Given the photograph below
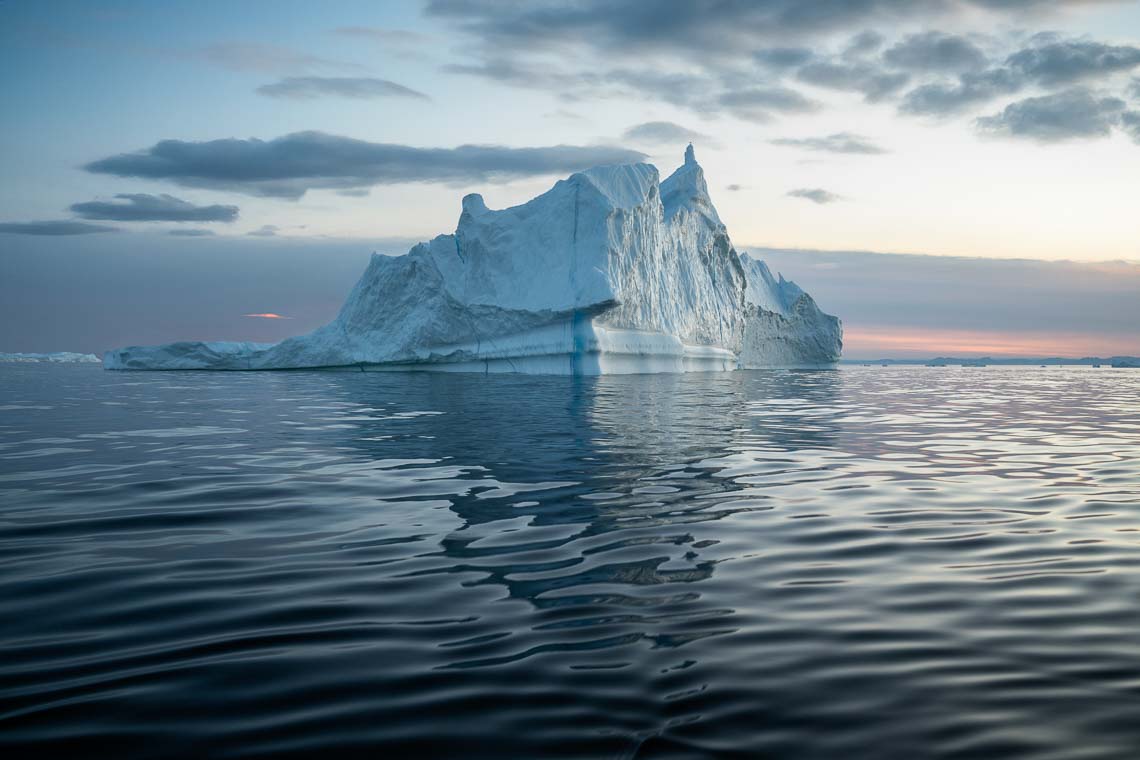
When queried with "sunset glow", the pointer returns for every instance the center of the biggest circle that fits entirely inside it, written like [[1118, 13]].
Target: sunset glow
[[267, 315], [874, 342]]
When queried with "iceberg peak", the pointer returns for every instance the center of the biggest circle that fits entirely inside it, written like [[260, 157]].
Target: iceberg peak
[[474, 205], [686, 189]]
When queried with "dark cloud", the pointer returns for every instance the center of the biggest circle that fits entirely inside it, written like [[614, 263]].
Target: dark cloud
[[702, 28], [782, 57], [288, 166], [664, 132], [1064, 62], [971, 89], [1130, 123], [705, 55], [141, 207], [679, 88], [307, 88], [871, 80], [937, 52], [863, 44], [191, 233], [840, 142], [1047, 62], [1134, 88], [733, 188], [54, 227], [815, 195], [757, 103], [1073, 113]]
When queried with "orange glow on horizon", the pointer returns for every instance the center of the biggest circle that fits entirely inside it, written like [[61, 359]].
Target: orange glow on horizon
[[267, 315], [885, 341]]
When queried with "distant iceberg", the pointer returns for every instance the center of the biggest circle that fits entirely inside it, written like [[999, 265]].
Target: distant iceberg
[[57, 357], [610, 271]]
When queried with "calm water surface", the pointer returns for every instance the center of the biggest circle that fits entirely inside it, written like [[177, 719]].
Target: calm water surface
[[865, 563]]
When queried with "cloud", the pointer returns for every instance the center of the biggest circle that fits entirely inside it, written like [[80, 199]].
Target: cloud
[[265, 230], [1073, 113], [935, 51], [191, 233], [663, 132], [1134, 88], [271, 59], [840, 142], [54, 227], [972, 88], [699, 28], [1047, 62], [266, 315], [757, 103], [782, 57], [734, 188], [289, 166], [1130, 123], [815, 195], [307, 88], [872, 81], [141, 207], [712, 56], [1061, 63], [863, 44]]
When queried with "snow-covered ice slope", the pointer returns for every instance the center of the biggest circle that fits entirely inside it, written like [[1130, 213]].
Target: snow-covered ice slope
[[610, 271], [783, 325]]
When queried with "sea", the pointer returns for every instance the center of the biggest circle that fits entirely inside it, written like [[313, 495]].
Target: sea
[[869, 562]]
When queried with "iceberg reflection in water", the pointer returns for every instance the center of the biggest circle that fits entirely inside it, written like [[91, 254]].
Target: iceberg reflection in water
[[866, 562]]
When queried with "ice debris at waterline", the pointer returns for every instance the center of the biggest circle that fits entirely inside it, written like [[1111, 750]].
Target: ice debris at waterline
[[54, 357], [610, 271]]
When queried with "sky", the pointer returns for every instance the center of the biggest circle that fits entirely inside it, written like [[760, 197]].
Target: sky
[[951, 176]]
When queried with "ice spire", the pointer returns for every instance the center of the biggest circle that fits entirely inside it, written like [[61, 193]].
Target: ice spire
[[686, 189]]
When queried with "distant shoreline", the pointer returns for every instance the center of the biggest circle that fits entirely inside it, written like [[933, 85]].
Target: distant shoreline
[[1088, 361]]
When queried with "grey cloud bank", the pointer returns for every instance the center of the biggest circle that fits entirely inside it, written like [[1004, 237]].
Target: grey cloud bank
[[738, 58], [53, 297], [54, 227], [142, 207], [840, 142], [360, 88], [1075, 113], [289, 166]]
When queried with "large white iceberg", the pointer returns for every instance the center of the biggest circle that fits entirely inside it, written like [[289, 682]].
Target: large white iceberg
[[610, 271]]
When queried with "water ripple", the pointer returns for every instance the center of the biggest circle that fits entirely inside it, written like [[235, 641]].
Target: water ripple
[[872, 562]]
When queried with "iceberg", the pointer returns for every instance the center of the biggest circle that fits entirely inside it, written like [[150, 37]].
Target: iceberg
[[610, 271]]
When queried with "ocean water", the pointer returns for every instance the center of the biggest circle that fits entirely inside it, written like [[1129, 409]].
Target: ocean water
[[900, 562]]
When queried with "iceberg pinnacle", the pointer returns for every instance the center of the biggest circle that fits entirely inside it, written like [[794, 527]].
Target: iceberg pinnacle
[[610, 271]]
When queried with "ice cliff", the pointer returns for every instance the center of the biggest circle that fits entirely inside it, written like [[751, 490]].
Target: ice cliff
[[609, 271]]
